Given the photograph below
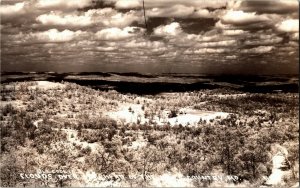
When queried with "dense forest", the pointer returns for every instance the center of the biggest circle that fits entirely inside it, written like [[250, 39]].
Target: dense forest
[[66, 129]]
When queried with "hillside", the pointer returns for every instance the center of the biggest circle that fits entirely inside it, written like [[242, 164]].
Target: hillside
[[77, 135]]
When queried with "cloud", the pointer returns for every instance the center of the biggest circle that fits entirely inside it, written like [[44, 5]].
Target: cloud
[[118, 34], [217, 44], [53, 35], [202, 13], [50, 36], [295, 36], [128, 4], [121, 19], [290, 25], [193, 3], [100, 17], [242, 18], [173, 11], [106, 49], [233, 32], [259, 50], [263, 40], [207, 51], [62, 4], [12, 10], [125, 4], [178, 31], [174, 8], [58, 19], [135, 43], [267, 6], [231, 57], [172, 29], [17, 13]]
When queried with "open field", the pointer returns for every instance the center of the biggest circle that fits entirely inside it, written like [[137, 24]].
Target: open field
[[163, 137]]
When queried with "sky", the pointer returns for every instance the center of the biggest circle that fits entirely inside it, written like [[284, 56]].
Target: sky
[[179, 36]]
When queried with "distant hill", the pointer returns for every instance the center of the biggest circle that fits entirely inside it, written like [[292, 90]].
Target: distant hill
[[152, 84]]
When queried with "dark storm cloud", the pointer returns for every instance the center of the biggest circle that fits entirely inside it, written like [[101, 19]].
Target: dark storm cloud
[[112, 34]]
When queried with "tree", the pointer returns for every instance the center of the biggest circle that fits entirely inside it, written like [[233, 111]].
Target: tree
[[9, 171], [149, 162]]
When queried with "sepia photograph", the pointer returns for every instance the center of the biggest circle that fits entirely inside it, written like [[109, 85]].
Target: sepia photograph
[[149, 93]]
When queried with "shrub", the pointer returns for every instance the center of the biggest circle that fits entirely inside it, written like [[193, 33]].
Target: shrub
[[8, 109], [172, 114]]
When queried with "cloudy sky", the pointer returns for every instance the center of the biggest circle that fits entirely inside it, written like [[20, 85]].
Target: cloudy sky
[[188, 36]]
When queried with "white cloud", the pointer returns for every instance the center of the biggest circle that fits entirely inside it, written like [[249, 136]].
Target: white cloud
[[121, 19], [53, 35], [105, 17], [259, 50], [172, 29], [293, 44], [264, 40], [143, 44], [173, 8], [231, 57], [217, 44], [173, 11], [210, 50], [233, 32], [117, 33], [241, 17], [295, 36], [12, 10], [202, 13], [192, 3], [62, 4], [204, 51], [50, 36], [55, 18], [290, 25], [106, 49], [127, 4], [220, 25]]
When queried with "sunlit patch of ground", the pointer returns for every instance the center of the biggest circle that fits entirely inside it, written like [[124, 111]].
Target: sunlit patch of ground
[[33, 85], [139, 143], [278, 160], [15, 103], [47, 85], [128, 116], [225, 96], [192, 117], [185, 116]]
